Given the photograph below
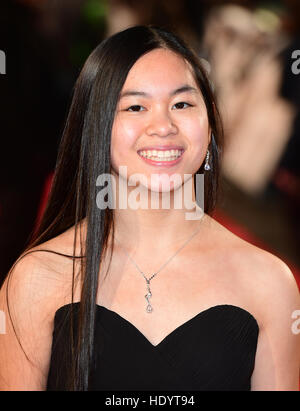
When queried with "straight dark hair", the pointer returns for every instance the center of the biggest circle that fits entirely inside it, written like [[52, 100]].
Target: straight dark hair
[[84, 154]]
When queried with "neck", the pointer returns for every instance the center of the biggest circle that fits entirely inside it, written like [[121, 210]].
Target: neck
[[163, 227]]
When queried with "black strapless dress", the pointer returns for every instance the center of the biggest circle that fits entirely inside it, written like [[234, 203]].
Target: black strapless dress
[[214, 350]]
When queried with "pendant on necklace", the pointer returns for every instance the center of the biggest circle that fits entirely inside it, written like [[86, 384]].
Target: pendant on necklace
[[149, 308]]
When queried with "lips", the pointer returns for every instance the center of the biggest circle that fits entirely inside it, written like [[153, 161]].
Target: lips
[[161, 148], [161, 155]]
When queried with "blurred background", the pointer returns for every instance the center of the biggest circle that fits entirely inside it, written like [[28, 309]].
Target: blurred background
[[248, 50]]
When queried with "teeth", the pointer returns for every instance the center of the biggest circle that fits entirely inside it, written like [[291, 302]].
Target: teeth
[[165, 155]]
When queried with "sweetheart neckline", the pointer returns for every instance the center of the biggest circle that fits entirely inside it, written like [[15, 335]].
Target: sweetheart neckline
[[176, 330]]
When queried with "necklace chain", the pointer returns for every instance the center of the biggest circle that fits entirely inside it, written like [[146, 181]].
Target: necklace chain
[[149, 308]]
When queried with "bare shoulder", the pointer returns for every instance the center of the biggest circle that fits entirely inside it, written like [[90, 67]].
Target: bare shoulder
[[264, 278], [265, 284], [38, 283], [43, 274]]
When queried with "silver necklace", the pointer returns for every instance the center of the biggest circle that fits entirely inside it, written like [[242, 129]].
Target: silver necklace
[[149, 307]]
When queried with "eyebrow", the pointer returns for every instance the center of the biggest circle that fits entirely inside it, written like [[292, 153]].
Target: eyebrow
[[183, 89]]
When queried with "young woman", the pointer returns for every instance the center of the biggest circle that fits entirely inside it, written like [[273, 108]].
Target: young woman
[[137, 298]]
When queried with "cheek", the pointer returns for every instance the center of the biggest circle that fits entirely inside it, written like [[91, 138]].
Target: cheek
[[126, 129], [124, 135], [197, 133]]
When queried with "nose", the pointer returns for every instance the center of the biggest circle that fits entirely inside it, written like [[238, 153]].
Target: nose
[[161, 124]]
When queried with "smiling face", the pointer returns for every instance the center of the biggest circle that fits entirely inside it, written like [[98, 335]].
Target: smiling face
[[161, 124]]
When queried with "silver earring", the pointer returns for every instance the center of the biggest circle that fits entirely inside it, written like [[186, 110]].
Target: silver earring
[[206, 165]]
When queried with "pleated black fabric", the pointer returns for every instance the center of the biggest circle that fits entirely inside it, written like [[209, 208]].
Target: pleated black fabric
[[215, 350]]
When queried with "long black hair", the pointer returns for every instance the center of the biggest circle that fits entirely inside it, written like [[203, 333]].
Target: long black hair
[[84, 154]]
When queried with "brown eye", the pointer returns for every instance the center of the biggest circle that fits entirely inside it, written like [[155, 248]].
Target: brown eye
[[181, 103], [135, 108]]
